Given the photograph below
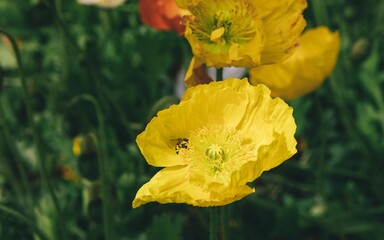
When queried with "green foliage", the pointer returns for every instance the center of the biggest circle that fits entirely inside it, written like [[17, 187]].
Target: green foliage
[[332, 189]]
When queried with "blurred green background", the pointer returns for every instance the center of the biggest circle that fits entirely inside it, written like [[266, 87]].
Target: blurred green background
[[98, 76]]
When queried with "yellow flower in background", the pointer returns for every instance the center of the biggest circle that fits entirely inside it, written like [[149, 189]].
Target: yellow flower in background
[[243, 33], [312, 62], [102, 3], [76, 145], [220, 137]]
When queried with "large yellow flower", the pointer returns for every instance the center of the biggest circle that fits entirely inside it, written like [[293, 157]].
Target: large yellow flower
[[305, 70], [243, 33], [220, 137]]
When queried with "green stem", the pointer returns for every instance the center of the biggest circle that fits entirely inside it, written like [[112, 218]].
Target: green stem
[[129, 127], [23, 219], [320, 170], [219, 74], [337, 91], [36, 135], [320, 12], [213, 231], [224, 222], [17, 160], [102, 162], [64, 45]]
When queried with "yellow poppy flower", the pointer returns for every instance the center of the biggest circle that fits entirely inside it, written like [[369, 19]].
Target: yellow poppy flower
[[220, 137], [306, 70], [243, 33], [102, 3]]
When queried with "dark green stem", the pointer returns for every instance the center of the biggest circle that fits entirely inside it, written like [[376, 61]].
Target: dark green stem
[[320, 12], [36, 136], [17, 160], [214, 215], [64, 45], [23, 219], [102, 162], [320, 170], [224, 216], [219, 74]]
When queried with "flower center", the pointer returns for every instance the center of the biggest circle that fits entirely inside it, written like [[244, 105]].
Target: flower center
[[214, 153], [216, 156], [224, 22]]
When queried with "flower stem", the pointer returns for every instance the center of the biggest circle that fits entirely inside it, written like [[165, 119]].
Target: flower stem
[[36, 136], [20, 170], [224, 215], [320, 12], [102, 162], [214, 215], [219, 74], [64, 45]]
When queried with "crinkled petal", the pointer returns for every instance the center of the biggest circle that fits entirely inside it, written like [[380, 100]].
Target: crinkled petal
[[270, 124], [233, 83], [170, 185], [283, 26], [211, 108]]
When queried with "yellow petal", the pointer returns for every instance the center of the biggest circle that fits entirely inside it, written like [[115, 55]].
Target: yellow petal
[[170, 185], [216, 34], [157, 143], [234, 52], [283, 25], [185, 3], [270, 124], [306, 69]]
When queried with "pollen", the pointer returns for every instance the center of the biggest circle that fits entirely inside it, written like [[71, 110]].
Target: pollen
[[217, 34], [217, 152], [231, 22]]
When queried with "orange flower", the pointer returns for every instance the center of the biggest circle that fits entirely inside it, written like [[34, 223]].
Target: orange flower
[[162, 15]]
